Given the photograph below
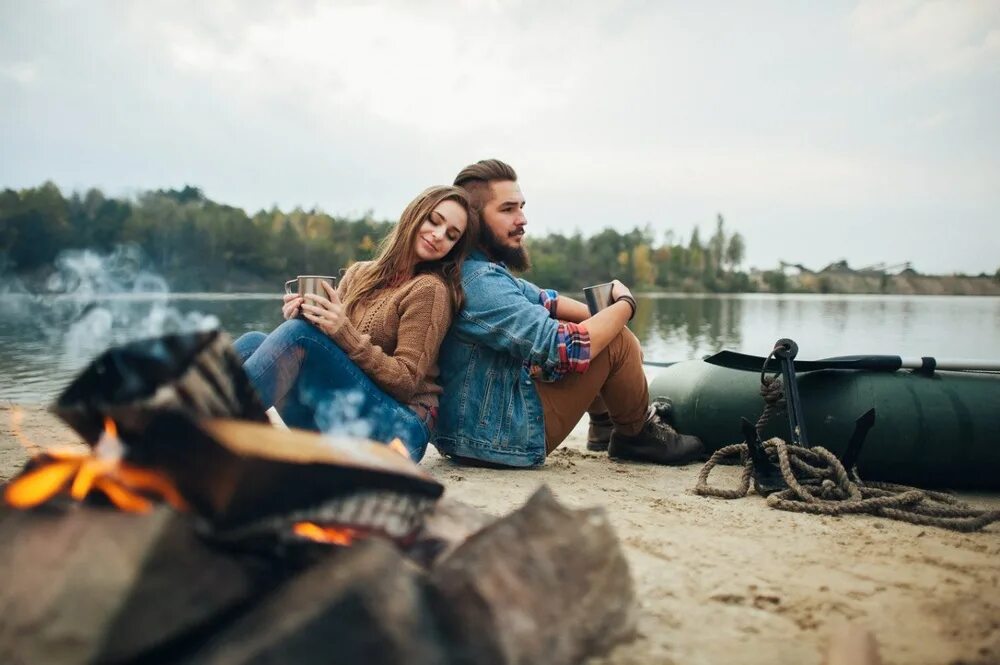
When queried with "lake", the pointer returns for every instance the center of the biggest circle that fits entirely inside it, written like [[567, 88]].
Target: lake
[[44, 342]]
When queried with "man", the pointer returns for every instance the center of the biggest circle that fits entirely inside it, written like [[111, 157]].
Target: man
[[521, 365]]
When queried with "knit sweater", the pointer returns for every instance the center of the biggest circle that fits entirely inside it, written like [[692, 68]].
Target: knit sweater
[[394, 337]]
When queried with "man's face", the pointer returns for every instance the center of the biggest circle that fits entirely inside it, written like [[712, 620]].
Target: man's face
[[503, 224]]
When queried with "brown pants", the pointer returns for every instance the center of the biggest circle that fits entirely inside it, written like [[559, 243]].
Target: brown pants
[[615, 375]]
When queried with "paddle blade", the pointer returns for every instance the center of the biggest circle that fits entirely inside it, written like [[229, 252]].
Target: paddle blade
[[748, 363]]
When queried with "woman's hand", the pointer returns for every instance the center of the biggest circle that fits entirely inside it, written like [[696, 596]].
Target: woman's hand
[[327, 314], [290, 307]]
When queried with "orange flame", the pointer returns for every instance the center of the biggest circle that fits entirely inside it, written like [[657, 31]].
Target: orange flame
[[397, 445], [326, 534], [77, 473], [110, 427]]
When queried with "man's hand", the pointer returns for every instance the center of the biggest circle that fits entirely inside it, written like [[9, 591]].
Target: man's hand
[[327, 314], [618, 290]]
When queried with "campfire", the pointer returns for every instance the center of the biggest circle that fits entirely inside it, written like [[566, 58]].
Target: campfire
[[71, 472], [190, 530]]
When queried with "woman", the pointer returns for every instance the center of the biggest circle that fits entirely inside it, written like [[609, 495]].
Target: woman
[[363, 360]]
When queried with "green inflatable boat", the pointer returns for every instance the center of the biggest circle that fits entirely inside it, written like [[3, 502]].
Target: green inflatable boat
[[932, 428]]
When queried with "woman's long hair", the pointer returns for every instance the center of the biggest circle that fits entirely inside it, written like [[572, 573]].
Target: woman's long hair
[[397, 259]]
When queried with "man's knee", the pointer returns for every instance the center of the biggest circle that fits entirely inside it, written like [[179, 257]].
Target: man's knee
[[625, 342]]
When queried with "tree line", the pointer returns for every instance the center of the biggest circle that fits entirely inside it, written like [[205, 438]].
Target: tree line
[[198, 244]]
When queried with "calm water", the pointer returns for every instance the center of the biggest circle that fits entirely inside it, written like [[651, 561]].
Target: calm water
[[44, 343]]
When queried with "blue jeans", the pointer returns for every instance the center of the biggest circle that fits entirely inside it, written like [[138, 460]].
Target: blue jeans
[[314, 385]]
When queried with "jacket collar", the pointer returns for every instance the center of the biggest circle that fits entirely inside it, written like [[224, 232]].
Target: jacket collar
[[478, 254]]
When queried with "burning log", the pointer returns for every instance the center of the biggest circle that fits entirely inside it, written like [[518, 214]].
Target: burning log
[[250, 479], [544, 584], [97, 585], [198, 374]]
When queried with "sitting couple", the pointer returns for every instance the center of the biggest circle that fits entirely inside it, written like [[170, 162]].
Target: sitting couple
[[437, 339]]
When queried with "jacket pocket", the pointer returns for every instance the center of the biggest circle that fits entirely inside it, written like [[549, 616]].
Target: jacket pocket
[[485, 403]]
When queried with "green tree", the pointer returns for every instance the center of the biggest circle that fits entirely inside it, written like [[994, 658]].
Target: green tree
[[776, 280], [735, 251], [34, 225], [716, 247]]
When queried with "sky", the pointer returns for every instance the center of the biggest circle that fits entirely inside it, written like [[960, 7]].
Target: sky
[[867, 131]]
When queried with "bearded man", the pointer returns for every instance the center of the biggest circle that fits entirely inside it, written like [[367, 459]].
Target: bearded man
[[521, 365]]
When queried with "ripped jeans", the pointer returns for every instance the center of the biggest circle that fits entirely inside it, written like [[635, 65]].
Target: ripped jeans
[[314, 385]]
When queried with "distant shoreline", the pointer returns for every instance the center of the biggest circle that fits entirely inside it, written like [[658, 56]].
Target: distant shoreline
[[804, 284], [883, 284]]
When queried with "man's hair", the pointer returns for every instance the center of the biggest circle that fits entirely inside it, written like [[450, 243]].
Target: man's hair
[[476, 179]]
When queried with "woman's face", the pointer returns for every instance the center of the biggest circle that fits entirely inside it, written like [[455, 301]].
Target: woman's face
[[440, 230]]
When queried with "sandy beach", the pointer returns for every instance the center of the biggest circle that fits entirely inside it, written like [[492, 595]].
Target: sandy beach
[[734, 581]]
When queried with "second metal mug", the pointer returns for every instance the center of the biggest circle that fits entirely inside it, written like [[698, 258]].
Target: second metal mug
[[598, 296]]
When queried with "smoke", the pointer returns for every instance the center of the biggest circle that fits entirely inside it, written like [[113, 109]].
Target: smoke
[[14, 297], [92, 301], [342, 415]]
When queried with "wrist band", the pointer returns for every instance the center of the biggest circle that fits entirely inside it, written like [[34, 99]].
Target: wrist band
[[631, 303]]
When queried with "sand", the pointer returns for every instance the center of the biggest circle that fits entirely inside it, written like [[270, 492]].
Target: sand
[[736, 581]]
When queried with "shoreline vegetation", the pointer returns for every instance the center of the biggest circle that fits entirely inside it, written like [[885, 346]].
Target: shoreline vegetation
[[202, 245]]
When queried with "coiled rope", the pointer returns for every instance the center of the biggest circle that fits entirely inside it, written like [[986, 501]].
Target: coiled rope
[[819, 484]]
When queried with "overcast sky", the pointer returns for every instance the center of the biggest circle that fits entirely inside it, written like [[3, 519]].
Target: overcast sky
[[821, 130]]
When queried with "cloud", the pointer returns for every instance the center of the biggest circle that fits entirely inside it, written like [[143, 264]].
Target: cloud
[[24, 73], [932, 38], [396, 63]]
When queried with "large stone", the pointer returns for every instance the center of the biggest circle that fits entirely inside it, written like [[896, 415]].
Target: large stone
[[366, 604], [545, 584], [91, 584]]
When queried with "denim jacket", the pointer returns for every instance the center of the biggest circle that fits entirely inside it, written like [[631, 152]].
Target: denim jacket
[[490, 409]]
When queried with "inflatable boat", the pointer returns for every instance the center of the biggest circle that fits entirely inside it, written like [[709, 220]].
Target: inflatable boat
[[932, 427]]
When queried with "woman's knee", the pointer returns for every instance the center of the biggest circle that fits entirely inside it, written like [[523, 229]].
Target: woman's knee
[[295, 327], [247, 343]]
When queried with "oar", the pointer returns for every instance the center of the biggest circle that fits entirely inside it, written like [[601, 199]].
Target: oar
[[743, 361]]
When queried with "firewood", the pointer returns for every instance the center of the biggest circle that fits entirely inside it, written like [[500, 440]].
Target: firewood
[[198, 374], [364, 605], [243, 475], [92, 584], [544, 584]]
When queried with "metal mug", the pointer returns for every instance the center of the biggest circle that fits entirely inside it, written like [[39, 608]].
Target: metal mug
[[598, 296], [311, 284]]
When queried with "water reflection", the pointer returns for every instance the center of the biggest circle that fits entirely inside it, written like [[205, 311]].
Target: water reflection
[[45, 341], [675, 327], [34, 365], [698, 325]]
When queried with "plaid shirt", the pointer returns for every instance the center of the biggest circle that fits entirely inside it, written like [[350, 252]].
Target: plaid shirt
[[572, 340]]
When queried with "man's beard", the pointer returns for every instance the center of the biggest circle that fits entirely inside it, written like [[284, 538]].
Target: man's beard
[[515, 257]]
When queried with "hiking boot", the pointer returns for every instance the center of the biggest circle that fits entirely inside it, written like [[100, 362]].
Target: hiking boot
[[657, 441], [599, 432]]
